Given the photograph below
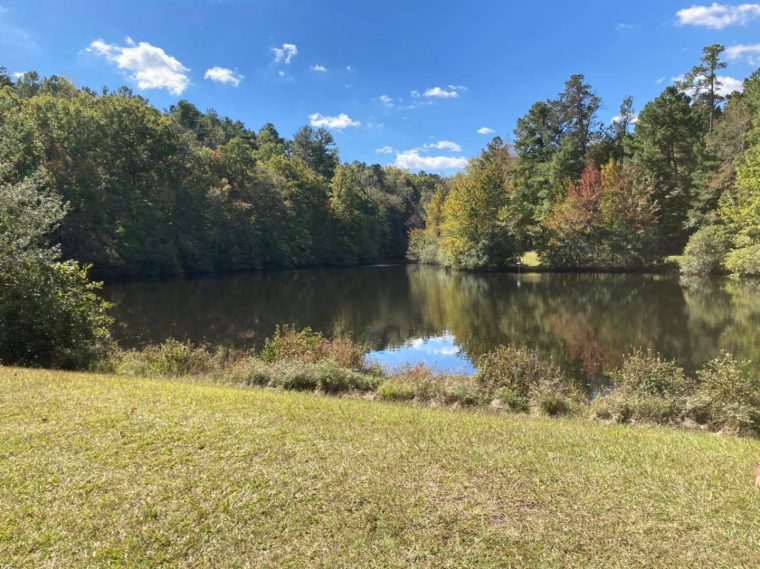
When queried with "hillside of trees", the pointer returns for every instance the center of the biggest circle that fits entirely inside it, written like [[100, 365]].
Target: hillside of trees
[[682, 173], [151, 193]]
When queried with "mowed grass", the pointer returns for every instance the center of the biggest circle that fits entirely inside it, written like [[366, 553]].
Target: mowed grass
[[100, 470]]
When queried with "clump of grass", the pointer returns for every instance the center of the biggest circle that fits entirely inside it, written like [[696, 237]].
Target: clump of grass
[[647, 388], [171, 358], [309, 346], [422, 385], [517, 377], [324, 377], [727, 397]]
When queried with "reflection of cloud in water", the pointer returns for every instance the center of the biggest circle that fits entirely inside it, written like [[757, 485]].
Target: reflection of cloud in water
[[439, 353]]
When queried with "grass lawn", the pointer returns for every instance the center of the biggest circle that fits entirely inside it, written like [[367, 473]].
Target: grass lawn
[[100, 470]]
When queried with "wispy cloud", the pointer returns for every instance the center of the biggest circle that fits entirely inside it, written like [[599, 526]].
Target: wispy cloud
[[450, 92], [750, 52], [413, 160], [224, 76], [285, 54], [622, 27], [443, 145], [319, 68], [337, 122], [718, 16], [384, 150], [148, 65], [485, 130]]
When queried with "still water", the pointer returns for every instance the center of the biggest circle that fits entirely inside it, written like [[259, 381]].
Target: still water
[[417, 314]]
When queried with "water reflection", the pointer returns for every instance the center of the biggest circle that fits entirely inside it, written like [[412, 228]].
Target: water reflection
[[439, 353], [584, 322]]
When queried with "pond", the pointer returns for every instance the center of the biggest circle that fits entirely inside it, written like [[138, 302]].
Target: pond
[[409, 314]]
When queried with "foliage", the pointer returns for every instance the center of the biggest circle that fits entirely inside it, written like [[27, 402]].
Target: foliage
[[519, 378], [607, 220], [706, 251], [163, 193], [312, 347], [476, 229], [727, 397], [50, 313], [646, 388], [171, 358]]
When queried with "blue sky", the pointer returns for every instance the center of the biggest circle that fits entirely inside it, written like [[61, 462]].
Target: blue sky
[[415, 79]]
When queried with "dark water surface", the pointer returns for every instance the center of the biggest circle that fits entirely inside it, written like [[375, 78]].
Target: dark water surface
[[411, 314]]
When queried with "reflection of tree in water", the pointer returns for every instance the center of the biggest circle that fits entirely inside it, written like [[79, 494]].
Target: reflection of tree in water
[[374, 305], [584, 322], [724, 314]]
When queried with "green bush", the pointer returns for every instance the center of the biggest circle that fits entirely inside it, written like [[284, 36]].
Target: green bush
[[744, 260], [524, 379], [727, 397], [706, 251], [50, 312], [647, 374], [646, 388]]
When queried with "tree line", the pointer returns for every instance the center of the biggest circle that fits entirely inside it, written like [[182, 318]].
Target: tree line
[[682, 173], [153, 193]]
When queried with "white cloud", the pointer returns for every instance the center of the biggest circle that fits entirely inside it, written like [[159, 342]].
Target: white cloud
[[729, 84], [386, 100], [224, 76], [621, 27], [660, 80], [18, 74], [148, 65], [439, 93], [340, 122], [444, 145], [485, 130], [384, 150], [411, 160], [285, 53], [319, 68], [718, 16], [281, 73], [633, 119], [750, 52]]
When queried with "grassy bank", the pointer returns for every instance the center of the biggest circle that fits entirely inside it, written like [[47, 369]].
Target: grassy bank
[[103, 470]]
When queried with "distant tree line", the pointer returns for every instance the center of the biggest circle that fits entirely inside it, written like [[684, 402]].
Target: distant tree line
[[685, 171], [153, 193]]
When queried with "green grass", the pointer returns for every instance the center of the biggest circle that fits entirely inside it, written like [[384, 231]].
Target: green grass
[[99, 470]]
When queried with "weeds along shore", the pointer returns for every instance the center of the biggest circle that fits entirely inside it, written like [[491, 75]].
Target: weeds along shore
[[723, 396]]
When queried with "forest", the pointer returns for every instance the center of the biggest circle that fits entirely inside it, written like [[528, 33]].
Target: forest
[[106, 185], [680, 176]]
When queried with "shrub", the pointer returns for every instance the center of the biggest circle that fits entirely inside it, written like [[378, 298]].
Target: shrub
[[326, 377], [706, 251], [311, 347], [50, 312], [646, 388], [728, 397], [648, 374], [171, 358], [744, 260], [520, 379], [422, 385]]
